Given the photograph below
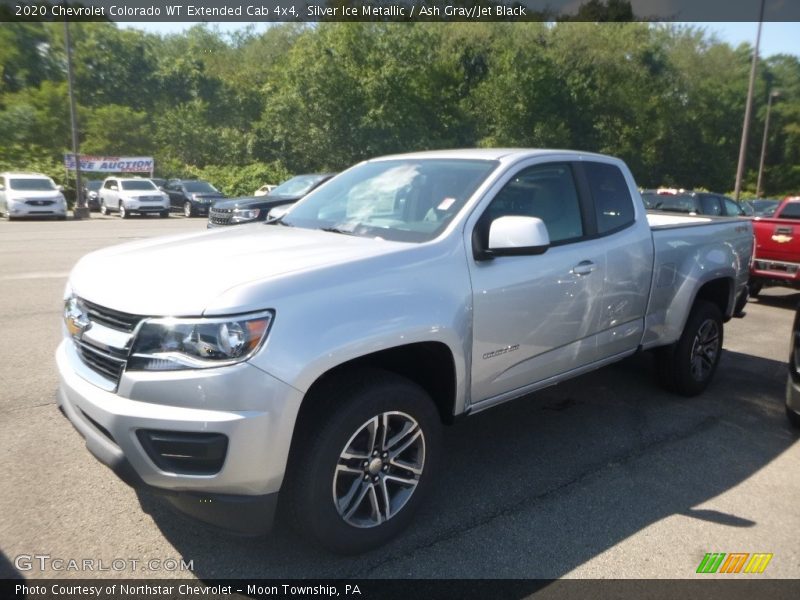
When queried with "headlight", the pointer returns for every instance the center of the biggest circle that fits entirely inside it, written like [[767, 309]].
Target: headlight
[[170, 343], [245, 214]]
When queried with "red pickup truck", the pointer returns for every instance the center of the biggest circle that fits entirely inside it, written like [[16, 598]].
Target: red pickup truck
[[776, 257]]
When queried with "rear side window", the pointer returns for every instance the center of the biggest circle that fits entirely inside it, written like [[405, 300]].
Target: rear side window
[[790, 211], [732, 208], [710, 205], [612, 198]]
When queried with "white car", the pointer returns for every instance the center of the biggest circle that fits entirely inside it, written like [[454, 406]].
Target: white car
[[129, 195], [30, 195], [264, 190]]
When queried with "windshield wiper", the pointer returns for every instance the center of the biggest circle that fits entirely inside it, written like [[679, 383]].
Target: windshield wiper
[[336, 230]]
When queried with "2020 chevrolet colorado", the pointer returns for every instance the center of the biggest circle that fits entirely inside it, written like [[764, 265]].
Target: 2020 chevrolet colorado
[[319, 356]]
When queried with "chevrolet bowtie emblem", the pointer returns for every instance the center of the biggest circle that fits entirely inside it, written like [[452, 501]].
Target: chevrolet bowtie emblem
[[781, 238]]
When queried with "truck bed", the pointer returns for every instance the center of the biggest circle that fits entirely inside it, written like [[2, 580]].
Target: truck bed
[[691, 249]]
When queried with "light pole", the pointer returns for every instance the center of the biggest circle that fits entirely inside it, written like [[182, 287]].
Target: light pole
[[772, 96], [748, 107], [81, 211]]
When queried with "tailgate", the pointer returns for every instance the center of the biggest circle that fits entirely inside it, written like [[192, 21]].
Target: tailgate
[[777, 239]]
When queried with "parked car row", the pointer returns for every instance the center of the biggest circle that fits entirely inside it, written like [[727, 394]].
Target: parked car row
[[194, 197], [692, 203]]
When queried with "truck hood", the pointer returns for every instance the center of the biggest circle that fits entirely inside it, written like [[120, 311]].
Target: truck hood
[[182, 275], [255, 202]]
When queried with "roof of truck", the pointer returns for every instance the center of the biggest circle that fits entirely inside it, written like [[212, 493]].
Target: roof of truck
[[490, 153]]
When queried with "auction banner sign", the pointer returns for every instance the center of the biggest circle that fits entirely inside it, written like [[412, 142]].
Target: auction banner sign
[[111, 164]]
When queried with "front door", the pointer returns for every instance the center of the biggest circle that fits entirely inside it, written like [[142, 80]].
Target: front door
[[536, 317]]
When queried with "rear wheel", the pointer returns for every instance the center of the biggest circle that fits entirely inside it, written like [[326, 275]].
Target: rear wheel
[[755, 287], [122, 212], [688, 366], [363, 461], [188, 210], [164, 214]]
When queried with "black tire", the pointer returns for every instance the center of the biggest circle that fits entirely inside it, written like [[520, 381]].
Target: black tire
[[123, 214], [688, 366], [188, 209], [794, 418], [755, 286], [332, 495], [164, 214]]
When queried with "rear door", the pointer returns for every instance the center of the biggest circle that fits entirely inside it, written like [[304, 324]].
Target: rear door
[[627, 242]]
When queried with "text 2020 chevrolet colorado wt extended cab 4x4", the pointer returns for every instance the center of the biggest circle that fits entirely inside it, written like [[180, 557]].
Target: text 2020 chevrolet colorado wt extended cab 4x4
[[318, 356]]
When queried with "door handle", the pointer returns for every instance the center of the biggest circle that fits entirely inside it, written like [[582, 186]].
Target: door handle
[[585, 267]]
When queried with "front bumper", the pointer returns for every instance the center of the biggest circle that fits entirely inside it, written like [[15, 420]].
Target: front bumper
[[786, 272], [24, 210], [146, 207], [255, 411]]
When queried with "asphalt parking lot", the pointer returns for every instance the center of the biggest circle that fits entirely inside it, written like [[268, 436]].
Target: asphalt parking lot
[[606, 476]]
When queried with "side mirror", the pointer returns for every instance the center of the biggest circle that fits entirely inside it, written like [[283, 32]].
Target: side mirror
[[113, 187], [517, 236], [2, 187]]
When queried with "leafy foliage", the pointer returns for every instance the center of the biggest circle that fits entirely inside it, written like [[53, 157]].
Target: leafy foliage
[[246, 109]]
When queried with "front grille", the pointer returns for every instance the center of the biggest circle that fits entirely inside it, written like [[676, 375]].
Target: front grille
[[39, 202], [101, 362], [112, 318], [150, 199], [109, 362], [220, 216]]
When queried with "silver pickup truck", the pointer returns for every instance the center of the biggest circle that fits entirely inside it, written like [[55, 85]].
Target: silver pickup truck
[[319, 355]]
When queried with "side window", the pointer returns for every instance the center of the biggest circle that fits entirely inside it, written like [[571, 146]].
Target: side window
[[107, 185], [732, 208], [710, 205], [546, 191], [612, 198], [790, 211]]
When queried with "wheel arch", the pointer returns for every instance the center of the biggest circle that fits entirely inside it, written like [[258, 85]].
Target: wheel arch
[[431, 365], [719, 292]]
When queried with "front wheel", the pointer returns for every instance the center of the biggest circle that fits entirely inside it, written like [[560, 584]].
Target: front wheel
[[188, 211], [164, 214], [124, 214], [103, 208], [363, 462], [688, 366]]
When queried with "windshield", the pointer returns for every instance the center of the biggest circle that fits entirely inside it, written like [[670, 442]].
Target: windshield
[[765, 208], [32, 184], [93, 185], [297, 186], [410, 200], [200, 187], [142, 184], [682, 203]]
